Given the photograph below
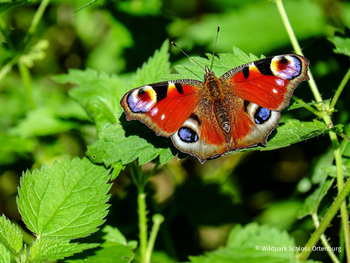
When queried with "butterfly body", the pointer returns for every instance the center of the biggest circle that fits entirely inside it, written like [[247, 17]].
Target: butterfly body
[[207, 119]]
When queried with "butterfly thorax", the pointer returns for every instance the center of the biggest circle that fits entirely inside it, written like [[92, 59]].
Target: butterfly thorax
[[214, 87]]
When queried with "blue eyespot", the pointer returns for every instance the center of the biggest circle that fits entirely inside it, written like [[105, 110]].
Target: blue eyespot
[[262, 115], [186, 134]]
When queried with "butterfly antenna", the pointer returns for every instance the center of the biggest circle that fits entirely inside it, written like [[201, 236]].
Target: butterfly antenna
[[216, 41], [183, 52]]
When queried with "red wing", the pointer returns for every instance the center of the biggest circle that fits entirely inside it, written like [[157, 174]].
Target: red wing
[[163, 106], [268, 82]]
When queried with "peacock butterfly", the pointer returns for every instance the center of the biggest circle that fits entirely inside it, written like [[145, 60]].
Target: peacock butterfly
[[208, 119]]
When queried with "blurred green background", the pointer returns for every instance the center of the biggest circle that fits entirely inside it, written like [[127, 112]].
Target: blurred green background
[[200, 202]]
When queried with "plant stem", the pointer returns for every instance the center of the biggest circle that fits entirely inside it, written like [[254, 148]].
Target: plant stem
[[157, 221], [340, 89], [137, 178], [141, 200], [324, 240], [327, 119], [25, 74], [340, 185], [332, 211], [36, 19], [140, 180]]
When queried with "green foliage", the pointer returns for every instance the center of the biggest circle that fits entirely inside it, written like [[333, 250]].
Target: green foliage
[[253, 243], [58, 204], [342, 45]]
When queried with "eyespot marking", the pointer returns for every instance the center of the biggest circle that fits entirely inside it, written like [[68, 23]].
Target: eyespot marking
[[188, 135], [142, 99], [262, 115], [286, 67]]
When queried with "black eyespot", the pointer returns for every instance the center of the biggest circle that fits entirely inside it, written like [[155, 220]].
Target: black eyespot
[[262, 115], [186, 134]]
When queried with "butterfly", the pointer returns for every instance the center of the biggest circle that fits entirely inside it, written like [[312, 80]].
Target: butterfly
[[208, 119]]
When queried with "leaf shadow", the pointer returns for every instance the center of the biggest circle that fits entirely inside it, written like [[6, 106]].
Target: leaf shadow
[[137, 128]]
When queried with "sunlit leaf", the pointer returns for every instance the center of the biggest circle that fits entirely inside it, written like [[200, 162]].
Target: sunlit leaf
[[67, 200]]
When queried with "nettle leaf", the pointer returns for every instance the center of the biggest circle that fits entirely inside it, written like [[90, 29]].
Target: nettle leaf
[[109, 252], [297, 105], [221, 64], [253, 243], [114, 249], [48, 248], [11, 147], [114, 235], [42, 122], [293, 131], [10, 235], [5, 255], [313, 201], [67, 200], [342, 45], [154, 69], [332, 171], [125, 143], [98, 94]]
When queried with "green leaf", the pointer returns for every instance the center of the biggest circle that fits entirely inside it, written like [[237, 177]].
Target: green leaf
[[41, 122], [143, 8], [110, 252], [6, 4], [342, 45], [105, 54], [133, 140], [325, 160], [12, 147], [114, 235], [154, 69], [67, 200], [253, 243], [281, 214], [332, 171], [125, 143], [5, 256], [117, 168], [293, 131], [162, 257], [221, 64], [297, 105], [10, 235], [313, 201], [49, 248], [98, 94]]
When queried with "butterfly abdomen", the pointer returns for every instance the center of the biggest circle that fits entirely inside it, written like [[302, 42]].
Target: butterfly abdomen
[[222, 115]]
